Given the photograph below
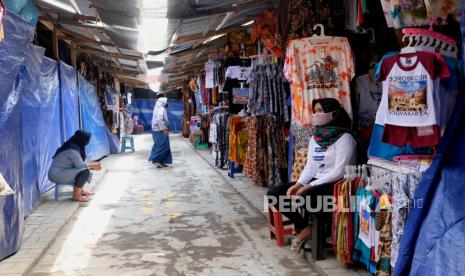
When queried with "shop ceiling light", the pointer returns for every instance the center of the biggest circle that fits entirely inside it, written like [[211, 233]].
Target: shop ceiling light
[[247, 23], [60, 5]]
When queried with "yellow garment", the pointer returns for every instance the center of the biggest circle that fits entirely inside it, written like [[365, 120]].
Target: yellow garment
[[235, 125], [242, 141], [299, 164]]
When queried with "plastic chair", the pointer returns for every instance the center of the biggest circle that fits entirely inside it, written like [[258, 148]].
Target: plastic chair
[[125, 139], [277, 226], [59, 193]]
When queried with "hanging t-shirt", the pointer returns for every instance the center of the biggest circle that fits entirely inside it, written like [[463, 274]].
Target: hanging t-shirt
[[238, 72], [409, 84], [369, 93], [209, 74], [404, 13], [440, 9], [320, 67], [365, 221]]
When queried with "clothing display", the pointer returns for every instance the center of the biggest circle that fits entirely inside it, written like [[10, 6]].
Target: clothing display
[[409, 84], [369, 93], [266, 155], [381, 203], [320, 67], [267, 94], [303, 15], [300, 160], [212, 73], [404, 13], [238, 72], [220, 146], [439, 10], [238, 137]]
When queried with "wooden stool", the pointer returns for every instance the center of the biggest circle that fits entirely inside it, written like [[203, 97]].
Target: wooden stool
[[319, 221], [277, 226]]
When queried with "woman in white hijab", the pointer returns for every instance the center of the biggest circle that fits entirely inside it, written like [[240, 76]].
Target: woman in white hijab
[[161, 151]]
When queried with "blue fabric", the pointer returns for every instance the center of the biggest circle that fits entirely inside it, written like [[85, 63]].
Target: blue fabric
[[143, 108], [434, 234], [49, 93], [13, 51], [93, 121], [30, 110], [386, 151], [161, 151], [113, 142], [69, 100], [24, 8]]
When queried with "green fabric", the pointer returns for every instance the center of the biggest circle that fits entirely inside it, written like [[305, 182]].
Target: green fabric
[[325, 136]]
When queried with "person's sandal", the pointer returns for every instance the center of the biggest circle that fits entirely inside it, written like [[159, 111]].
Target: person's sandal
[[81, 199], [297, 244]]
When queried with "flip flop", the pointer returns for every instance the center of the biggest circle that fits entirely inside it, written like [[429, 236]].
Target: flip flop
[[297, 244], [81, 199]]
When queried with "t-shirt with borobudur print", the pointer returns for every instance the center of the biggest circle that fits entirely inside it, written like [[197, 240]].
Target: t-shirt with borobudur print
[[318, 68], [409, 83]]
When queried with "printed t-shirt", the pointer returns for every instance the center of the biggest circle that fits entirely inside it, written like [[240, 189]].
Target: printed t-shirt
[[238, 72], [445, 99], [409, 84], [318, 68]]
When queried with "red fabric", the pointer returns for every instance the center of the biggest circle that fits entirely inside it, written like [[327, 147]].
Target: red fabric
[[418, 137], [336, 189], [360, 13], [434, 64]]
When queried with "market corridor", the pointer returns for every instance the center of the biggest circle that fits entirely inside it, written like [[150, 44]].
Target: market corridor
[[183, 220]]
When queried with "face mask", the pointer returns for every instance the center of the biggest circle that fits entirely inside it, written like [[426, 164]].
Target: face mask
[[321, 119]]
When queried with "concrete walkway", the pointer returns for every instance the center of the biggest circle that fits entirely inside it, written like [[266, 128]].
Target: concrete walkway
[[184, 220]]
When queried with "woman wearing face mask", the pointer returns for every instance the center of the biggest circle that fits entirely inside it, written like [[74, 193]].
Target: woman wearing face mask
[[330, 150]]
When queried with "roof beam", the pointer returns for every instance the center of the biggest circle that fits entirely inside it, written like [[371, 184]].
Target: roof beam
[[216, 42], [101, 53], [70, 22], [237, 8], [116, 71], [199, 36]]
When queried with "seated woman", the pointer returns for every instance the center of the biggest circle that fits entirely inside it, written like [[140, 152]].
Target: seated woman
[[68, 167], [330, 150]]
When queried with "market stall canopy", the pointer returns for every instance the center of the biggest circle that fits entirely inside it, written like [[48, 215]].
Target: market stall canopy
[[140, 35], [198, 28]]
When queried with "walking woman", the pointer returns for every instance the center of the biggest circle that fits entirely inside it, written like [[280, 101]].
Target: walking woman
[[69, 167], [330, 150], [161, 151]]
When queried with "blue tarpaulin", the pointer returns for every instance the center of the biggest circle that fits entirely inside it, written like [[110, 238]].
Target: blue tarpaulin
[[93, 121], [69, 100], [13, 51], [49, 95], [24, 8], [143, 108], [30, 110]]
